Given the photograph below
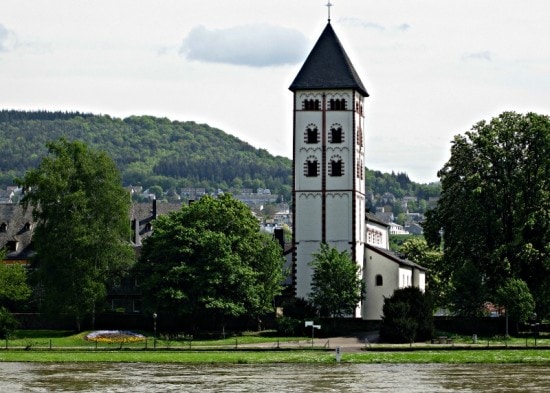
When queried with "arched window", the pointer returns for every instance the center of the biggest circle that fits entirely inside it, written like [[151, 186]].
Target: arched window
[[311, 167], [312, 134], [336, 135], [311, 105], [336, 167], [379, 281], [337, 104], [3, 227]]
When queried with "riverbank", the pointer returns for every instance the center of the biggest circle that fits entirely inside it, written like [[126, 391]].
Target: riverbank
[[265, 356], [64, 347]]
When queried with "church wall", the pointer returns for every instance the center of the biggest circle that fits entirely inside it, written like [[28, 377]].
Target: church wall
[[304, 272], [377, 235], [360, 227], [376, 264], [307, 236], [420, 279], [339, 216], [308, 220], [305, 151], [405, 277]]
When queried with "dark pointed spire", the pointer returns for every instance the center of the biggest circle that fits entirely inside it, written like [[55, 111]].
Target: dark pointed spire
[[328, 67]]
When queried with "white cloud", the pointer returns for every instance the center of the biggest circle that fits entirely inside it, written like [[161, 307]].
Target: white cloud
[[8, 39], [258, 45], [483, 55]]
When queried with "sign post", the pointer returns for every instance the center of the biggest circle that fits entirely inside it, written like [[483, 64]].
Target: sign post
[[313, 327]]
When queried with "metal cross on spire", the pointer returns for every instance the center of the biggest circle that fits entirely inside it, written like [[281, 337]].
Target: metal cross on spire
[[328, 5]]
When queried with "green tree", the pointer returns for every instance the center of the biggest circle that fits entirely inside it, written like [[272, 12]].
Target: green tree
[[82, 231], [13, 289], [515, 296], [13, 284], [156, 191], [495, 204], [417, 250], [407, 316], [210, 259], [337, 287]]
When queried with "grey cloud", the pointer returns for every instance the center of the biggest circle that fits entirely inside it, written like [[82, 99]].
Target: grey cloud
[[404, 27], [365, 24], [484, 55], [7, 39], [257, 45], [356, 22]]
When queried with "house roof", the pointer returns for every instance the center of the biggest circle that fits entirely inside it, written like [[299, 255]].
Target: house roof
[[374, 219], [328, 67], [395, 257], [16, 225]]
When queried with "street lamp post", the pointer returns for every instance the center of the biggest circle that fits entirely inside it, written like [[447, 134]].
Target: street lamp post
[[534, 327], [155, 330]]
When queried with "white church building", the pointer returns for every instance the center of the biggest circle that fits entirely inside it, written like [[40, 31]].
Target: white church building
[[329, 179]]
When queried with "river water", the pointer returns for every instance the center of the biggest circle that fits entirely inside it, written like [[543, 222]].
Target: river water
[[151, 378]]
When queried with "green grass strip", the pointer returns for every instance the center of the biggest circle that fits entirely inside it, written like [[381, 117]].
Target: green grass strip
[[531, 356]]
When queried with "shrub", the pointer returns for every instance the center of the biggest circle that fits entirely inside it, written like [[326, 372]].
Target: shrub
[[407, 317], [7, 323]]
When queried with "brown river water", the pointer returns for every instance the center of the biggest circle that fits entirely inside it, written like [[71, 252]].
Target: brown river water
[[151, 378]]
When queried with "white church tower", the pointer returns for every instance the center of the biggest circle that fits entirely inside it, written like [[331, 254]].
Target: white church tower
[[328, 158]]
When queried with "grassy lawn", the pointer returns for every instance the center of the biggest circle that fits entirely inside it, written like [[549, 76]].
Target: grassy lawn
[[58, 339], [65, 346]]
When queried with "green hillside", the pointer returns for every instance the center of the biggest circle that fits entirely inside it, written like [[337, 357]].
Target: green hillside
[[148, 151], [151, 151]]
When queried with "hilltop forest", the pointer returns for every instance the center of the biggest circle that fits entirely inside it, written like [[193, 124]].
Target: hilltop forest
[[151, 151]]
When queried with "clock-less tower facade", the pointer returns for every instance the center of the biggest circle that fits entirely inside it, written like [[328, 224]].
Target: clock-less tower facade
[[328, 158]]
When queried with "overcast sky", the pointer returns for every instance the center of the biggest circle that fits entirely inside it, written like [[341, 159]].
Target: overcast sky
[[433, 68]]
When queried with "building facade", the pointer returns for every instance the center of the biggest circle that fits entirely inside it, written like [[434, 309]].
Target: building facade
[[329, 184], [329, 181]]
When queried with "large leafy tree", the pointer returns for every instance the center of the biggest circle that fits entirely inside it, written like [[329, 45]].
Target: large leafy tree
[[417, 250], [210, 259], [82, 227], [494, 209], [336, 287]]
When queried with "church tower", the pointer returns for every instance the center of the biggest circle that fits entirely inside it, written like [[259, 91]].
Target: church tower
[[328, 158]]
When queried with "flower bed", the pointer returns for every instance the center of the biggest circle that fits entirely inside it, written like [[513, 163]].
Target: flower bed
[[114, 336]]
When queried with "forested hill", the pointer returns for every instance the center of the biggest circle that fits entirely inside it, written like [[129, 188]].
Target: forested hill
[[148, 150], [152, 151]]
